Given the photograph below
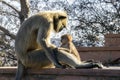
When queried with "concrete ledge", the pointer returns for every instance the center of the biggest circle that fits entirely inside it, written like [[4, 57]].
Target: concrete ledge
[[103, 54], [8, 73]]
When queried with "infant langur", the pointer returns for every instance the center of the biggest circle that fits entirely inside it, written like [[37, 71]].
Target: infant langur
[[66, 42]]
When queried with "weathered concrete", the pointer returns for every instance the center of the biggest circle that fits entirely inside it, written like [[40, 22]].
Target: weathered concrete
[[112, 40], [63, 74]]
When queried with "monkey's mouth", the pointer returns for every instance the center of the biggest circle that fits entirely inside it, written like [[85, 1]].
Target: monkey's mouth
[[61, 28]]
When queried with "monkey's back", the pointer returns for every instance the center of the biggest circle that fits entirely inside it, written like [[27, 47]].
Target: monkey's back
[[26, 36]]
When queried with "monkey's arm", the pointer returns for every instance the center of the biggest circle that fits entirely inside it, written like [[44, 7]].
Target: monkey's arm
[[43, 41], [65, 49]]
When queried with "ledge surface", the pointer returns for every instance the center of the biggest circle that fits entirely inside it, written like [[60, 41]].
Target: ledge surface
[[8, 73]]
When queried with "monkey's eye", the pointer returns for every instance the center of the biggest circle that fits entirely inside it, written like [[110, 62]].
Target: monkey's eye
[[62, 17]]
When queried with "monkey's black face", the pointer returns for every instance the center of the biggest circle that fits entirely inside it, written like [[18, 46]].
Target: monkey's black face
[[59, 23], [59, 26]]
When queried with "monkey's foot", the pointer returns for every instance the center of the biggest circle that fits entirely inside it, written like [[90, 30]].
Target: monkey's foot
[[99, 65]]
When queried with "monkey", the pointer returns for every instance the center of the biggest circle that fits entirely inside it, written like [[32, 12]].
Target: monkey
[[66, 41], [33, 47]]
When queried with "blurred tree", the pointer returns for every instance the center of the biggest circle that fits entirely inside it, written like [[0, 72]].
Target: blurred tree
[[7, 52], [95, 18]]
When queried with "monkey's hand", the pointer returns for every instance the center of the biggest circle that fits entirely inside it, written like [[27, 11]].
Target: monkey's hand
[[59, 65]]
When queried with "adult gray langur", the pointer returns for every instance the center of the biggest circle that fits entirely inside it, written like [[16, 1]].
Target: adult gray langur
[[33, 47]]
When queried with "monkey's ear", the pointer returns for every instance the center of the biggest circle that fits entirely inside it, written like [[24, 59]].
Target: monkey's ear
[[62, 17]]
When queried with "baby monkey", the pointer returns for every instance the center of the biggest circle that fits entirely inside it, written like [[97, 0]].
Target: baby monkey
[[66, 42]]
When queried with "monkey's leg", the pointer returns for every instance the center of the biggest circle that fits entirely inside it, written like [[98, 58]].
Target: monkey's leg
[[71, 60], [20, 71], [37, 59]]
